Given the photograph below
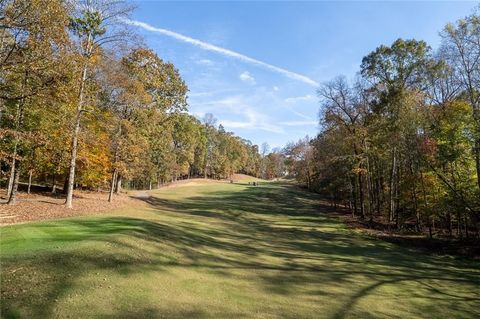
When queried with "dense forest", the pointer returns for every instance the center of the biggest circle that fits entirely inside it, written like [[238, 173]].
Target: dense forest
[[401, 142], [83, 105]]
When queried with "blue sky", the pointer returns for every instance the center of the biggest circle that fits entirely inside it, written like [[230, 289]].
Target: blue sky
[[254, 65]]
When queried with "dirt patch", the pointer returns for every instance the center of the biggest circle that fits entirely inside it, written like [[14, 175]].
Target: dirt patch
[[42, 206]]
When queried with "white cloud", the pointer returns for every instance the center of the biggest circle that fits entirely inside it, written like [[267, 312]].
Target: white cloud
[[223, 51], [240, 109], [304, 98], [276, 89], [247, 78]]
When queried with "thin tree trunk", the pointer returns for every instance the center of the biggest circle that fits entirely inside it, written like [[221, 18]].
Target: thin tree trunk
[[16, 164], [362, 200], [54, 186], [65, 185], [112, 185], [369, 186], [118, 189], [391, 207], [29, 181], [477, 159], [415, 199], [76, 130], [13, 194], [378, 186], [422, 182], [12, 172], [397, 197]]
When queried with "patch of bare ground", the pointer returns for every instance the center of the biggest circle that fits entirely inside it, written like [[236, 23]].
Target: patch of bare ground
[[44, 205], [440, 244]]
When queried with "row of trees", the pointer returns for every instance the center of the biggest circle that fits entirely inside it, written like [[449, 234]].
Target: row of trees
[[83, 107], [401, 143]]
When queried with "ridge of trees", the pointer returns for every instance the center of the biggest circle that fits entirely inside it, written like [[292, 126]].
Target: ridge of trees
[[401, 143]]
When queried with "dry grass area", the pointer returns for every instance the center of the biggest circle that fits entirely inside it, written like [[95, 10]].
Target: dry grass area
[[41, 206]]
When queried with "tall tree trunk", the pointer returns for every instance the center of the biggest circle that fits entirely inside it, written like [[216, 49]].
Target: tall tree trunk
[[16, 163], [369, 185], [118, 189], [477, 158], [54, 186], [397, 197], [425, 200], [112, 185], [29, 181], [378, 187], [414, 195], [65, 185], [76, 130], [13, 194], [362, 199], [391, 207], [12, 171]]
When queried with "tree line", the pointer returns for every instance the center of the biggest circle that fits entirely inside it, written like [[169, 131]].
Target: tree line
[[401, 142], [84, 105]]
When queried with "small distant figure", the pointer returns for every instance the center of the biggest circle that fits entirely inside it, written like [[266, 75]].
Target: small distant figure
[[231, 181], [248, 183], [254, 183]]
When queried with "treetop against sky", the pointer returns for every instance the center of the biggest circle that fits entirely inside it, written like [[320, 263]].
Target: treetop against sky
[[256, 65]]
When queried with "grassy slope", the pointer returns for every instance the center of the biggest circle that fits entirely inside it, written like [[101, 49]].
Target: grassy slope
[[224, 251]]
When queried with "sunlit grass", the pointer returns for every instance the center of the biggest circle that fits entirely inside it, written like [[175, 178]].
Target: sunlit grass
[[223, 250]]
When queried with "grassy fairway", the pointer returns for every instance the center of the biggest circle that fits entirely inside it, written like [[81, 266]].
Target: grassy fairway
[[224, 251]]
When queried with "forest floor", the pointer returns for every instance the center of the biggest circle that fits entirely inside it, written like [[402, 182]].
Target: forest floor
[[44, 205], [441, 243], [221, 250]]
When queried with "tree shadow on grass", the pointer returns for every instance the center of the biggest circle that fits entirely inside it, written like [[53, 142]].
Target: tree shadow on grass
[[277, 233]]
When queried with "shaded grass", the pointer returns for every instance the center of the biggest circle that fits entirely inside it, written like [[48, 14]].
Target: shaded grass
[[225, 250]]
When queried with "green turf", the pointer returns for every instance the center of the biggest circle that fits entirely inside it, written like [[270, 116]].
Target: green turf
[[225, 251]]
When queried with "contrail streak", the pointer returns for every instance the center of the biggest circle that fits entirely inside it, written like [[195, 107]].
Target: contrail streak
[[223, 51]]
